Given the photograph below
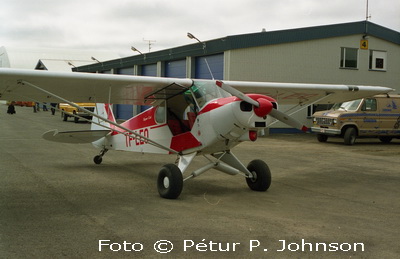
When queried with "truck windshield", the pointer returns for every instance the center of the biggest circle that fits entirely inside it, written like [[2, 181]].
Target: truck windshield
[[347, 106]]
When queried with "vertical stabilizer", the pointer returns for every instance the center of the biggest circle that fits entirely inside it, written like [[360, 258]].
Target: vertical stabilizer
[[103, 110]]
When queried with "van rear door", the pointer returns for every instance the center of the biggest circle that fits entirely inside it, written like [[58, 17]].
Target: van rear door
[[390, 116]]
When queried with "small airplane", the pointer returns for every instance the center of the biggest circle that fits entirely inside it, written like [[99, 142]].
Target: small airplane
[[187, 118]]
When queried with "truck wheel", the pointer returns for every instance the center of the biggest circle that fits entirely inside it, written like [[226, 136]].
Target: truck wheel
[[350, 136], [322, 138], [385, 139]]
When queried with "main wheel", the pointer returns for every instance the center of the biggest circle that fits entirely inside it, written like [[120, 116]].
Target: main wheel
[[261, 180], [350, 136], [170, 181]]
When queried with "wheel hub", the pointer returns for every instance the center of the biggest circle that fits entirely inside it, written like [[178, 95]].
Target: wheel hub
[[253, 176], [166, 182]]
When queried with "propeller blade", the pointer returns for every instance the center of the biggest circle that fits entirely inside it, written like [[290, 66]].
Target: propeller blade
[[288, 120], [265, 108], [237, 93]]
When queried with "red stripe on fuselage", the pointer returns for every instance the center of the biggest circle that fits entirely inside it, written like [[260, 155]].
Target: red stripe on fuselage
[[142, 120], [184, 141], [218, 103]]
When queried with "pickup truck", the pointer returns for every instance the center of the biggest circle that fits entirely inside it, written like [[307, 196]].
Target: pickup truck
[[68, 111]]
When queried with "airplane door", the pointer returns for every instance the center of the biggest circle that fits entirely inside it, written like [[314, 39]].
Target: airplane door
[[369, 117]]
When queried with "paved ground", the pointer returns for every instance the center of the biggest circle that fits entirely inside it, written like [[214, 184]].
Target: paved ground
[[54, 202]]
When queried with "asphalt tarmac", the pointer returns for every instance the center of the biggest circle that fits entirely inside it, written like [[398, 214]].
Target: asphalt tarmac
[[326, 200]]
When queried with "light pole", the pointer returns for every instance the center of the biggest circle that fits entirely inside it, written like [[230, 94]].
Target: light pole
[[135, 49], [191, 36]]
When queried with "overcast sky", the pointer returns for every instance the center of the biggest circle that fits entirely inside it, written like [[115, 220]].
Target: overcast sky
[[116, 25]]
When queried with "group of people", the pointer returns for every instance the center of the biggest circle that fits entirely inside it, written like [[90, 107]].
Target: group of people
[[36, 107]]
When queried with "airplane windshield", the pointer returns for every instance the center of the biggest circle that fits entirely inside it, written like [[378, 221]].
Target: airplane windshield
[[182, 109], [347, 106], [206, 91]]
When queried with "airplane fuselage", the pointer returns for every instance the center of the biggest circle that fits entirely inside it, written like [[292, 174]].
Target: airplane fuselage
[[220, 124]]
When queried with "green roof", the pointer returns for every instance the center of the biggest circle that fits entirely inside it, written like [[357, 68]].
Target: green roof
[[248, 40]]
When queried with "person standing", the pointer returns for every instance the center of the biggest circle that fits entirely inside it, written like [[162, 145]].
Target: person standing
[[11, 108], [53, 108]]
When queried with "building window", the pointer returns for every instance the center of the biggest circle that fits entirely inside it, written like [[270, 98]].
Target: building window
[[377, 60], [348, 57]]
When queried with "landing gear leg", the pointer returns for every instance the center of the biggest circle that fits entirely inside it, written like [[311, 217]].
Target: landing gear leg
[[99, 158]]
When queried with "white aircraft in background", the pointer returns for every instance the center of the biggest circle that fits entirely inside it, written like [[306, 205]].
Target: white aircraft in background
[[189, 117]]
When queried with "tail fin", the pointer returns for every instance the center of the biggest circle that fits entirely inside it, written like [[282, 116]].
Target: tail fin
[[103, 110]]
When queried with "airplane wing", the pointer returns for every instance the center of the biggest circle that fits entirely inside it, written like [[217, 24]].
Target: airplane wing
[[16, 84], [304, 94]]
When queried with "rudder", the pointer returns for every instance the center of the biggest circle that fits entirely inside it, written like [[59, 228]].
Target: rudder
[[103, 110]]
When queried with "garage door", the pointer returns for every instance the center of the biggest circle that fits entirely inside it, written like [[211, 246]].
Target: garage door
[[214, 69], [175, 68], [149, 70]]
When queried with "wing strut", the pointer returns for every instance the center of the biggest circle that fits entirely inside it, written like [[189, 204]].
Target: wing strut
[[302, 107], [149, 141]]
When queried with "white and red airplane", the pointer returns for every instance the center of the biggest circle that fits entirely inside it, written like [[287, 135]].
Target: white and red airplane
[[189, 117]]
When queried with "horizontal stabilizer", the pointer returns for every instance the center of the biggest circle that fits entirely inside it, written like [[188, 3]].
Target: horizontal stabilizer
[[75, 137]]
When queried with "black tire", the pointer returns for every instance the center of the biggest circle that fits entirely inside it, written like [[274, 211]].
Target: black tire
[[322, 138], [170, 181], [97, 160], [350, 136], [262, 176], [385, 139], [76, 119]]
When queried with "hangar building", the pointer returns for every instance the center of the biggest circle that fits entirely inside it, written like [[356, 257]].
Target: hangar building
[[359, 53], [50, 59]]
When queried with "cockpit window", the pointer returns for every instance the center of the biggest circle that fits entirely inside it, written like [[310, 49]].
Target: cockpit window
[[161, 113], [203, 92]]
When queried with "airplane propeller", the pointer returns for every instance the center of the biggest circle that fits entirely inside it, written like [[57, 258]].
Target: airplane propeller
[[263, 107], [283, 117]]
